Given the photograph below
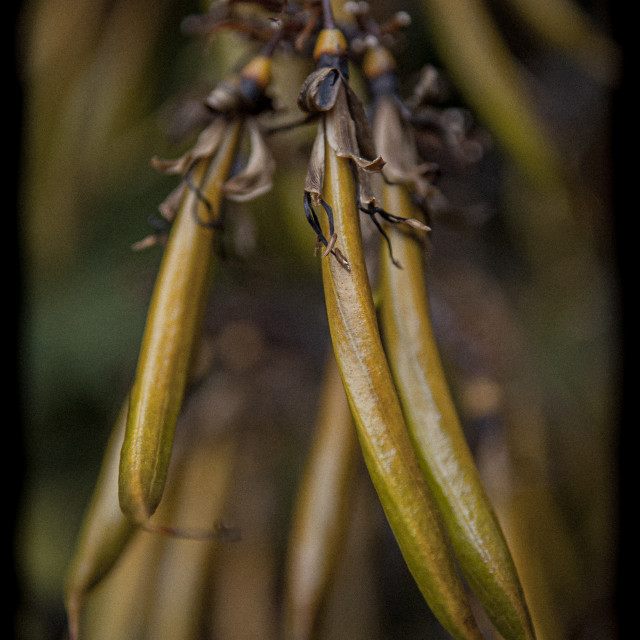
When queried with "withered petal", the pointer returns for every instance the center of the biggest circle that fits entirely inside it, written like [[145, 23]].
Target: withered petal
[[342, 135], [365, 188], [225, 96], [364, 132], [205, 146], [395, 141], [320, 90], [169, 207], [146, 242], [257, 177]]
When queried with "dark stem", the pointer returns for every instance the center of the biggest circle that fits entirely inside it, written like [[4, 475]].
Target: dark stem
[[271, 45], [327, 12]]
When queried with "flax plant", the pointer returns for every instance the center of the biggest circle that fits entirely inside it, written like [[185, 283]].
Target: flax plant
[[405, 497], [385, 398]]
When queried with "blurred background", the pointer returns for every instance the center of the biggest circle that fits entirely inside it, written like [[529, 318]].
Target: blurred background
[[522, 272]]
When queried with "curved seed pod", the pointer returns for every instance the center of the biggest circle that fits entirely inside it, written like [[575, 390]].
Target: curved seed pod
[[387, 449], [202, 487], [105, 531], [484, 70], [443, 453], [319, 525], [172, 327]]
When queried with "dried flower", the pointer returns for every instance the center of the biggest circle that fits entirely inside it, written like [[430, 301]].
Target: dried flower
[[392, 129], [241, 96], [343, 124]]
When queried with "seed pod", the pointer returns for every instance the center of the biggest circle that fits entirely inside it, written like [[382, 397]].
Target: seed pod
[[105, 531], [443, 453], [320, 520], [388, 452], [172, 327]]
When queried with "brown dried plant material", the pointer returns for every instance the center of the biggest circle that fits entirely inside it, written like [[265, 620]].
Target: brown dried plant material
[[342, 125]]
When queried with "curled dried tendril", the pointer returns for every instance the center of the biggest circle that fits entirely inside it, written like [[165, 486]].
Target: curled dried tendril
[[344, 125]]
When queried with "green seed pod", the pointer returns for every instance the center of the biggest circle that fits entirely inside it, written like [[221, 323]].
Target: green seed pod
[[435, 429], [173, 325], [388, 452], [105, 531]]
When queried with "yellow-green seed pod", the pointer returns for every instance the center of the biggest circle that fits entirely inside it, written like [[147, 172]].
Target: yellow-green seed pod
[[105, 531], [435, 429], [172, 328], [321, 520], [388, 452]]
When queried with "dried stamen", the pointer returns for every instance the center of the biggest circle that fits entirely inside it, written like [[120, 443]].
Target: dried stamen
[[330, 243]]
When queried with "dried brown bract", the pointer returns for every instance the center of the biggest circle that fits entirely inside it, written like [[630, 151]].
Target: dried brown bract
[[343, 124], [240, 96]]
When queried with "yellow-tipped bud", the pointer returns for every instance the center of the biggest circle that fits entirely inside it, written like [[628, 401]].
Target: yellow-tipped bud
[[330, 42], [260, 70], [378, 61]]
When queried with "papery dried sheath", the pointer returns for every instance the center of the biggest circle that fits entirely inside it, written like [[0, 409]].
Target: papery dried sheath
[[256, 177], [344, 125]]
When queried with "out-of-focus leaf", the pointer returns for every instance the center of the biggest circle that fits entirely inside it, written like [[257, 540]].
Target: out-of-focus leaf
[[320, 525], [488, 76]]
